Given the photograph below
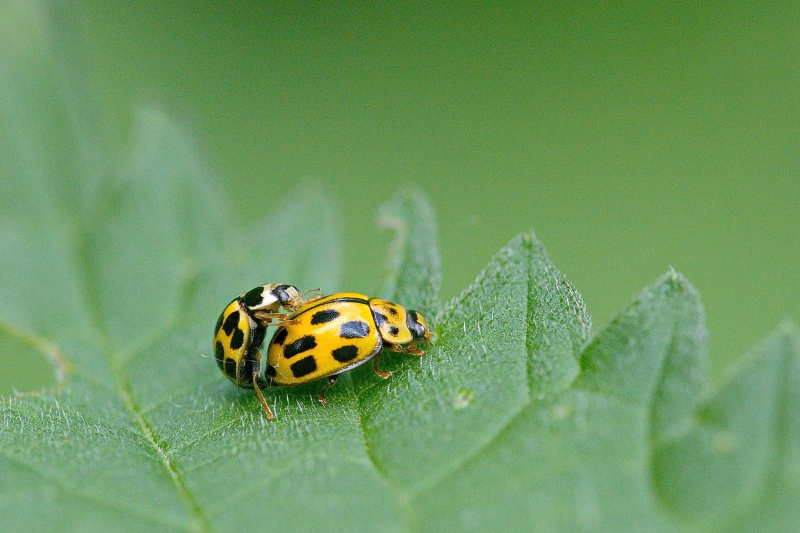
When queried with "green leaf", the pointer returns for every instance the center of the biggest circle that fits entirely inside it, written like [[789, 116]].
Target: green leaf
[[121, 291], [579, 460], [434, 416], [738, 464], [115, 268], [653, 353]]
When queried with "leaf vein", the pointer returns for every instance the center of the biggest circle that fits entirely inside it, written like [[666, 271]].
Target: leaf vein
[[116, 360], [94, 498]]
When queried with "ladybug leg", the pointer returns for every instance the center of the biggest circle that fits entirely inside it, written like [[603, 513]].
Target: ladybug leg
[[331, 382], [266, 319], [261, 397], [286, 322], [382, 373], [413, 350]]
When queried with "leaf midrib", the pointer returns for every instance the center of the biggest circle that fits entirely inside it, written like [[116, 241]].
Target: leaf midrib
[[200, 520], [116, 361]]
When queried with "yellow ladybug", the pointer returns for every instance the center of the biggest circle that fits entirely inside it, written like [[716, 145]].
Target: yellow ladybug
[[241, 329], [334, 334]]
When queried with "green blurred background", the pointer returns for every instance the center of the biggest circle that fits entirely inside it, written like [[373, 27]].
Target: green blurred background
[[629, 136]]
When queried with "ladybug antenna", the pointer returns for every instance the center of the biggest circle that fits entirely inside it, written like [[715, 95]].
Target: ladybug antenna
[[310, 290]]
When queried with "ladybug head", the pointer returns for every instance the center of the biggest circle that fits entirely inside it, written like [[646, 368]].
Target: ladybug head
[[288, 296], [418, 326]]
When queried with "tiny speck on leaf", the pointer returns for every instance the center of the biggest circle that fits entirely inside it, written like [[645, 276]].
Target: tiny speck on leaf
[[463, 398]]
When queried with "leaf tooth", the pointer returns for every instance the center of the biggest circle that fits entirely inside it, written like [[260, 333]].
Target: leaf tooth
[[734, 465], [654, 352]]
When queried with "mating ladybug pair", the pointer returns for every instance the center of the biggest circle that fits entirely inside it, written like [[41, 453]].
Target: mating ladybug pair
[[322, 337]]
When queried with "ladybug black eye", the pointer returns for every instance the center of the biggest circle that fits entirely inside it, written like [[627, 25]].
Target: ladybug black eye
[[417, 329], [282, 294]]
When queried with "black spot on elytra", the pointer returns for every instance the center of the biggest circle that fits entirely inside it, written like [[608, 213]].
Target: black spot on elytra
[[304, 366], [300, 345], [237, 339], [230, 368], [271, 372], [231, 322], [393, 331], [219, 354], [355, 329], [345, 353], [326, 315], [253, 297], [280, 337]]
